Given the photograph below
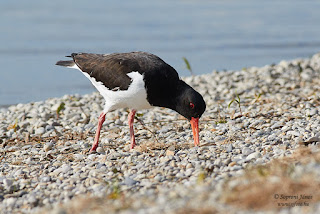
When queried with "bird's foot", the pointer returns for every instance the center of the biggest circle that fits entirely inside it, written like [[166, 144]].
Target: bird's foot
[[93, 148], [92, 151], [132, 145]]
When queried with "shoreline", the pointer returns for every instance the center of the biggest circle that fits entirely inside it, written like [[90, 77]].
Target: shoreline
[[5, 106], [256, 119]]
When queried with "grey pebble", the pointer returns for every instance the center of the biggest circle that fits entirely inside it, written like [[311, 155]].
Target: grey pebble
[[40, 131], [7, 183], [229, 148], [100, 150], [48, 146], [78, 157], [10, 202], [129, 181], [45, 179], [246, 151], [313, 112], [32, 199], [254, 155]]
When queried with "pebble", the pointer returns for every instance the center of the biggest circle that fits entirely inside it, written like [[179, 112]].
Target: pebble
[[100, 150], [313, 139], [129, 181], [10, 202], [47, 146], [188, 166], [217, 162], [246, 151], [78, 157], [232, 163], [40, 131], [7, 183], [50, 169], [229, 148], [254, 155], [312, 112]]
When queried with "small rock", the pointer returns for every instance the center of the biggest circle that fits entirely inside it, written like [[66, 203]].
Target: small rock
[[40, 131], [246, 151], [7, 183], [24, 124], [226, 161], [313, 139], [100, 150], [173, 163], [169, 153], [129, 181], [229, 148], [189, 172], [10, 202], [135, 153], [189, 165], [48, 146], [277, 125], [78, 157], [45, 179], [32, 200], [84, 145], [158, 178], [49, 127], [65, 168], [55, 124], [217, 162], [254, 155], [293, 133], [232, 164], [312, 112], [18, 173]]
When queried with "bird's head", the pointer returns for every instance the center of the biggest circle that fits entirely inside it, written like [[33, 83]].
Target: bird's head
[[191, 105]]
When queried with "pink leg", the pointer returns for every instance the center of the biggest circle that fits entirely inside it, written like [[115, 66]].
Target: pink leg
[[102, 117], [130, 121]]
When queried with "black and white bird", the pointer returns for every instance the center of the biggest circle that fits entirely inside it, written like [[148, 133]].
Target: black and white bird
[[138, 80]]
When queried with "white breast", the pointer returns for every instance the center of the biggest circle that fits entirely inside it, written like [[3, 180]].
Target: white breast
[[135, 97]]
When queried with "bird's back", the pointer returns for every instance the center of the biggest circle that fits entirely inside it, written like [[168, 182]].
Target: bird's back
[[112, 69]]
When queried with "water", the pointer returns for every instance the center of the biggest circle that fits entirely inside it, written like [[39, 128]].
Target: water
[[211, 34]]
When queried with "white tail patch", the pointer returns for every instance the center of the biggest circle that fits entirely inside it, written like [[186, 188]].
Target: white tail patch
[[75, 67]]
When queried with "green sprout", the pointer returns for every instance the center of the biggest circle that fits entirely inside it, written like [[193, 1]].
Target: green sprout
[[60, 108], [188, 66], [237, 100], [13, 126]]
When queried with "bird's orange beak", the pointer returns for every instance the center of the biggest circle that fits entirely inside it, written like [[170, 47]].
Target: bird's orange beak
[[195, 129]]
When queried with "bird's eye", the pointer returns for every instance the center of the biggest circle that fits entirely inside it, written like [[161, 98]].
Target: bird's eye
[[191, 105]]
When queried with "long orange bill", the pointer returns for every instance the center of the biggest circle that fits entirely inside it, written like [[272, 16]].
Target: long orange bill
[[195, 129]]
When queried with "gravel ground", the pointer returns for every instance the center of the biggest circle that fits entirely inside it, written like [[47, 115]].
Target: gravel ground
[[259, 142]]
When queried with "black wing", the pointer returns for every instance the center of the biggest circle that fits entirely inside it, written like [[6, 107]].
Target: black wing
[[112, 69]]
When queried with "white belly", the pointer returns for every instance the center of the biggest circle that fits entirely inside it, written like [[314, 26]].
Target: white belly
[[135, 97]]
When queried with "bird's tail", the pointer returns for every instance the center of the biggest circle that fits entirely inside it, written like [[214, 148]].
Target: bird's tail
[[67, 63]]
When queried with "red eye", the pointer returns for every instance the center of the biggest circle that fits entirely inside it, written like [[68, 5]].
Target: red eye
[[191, 105]]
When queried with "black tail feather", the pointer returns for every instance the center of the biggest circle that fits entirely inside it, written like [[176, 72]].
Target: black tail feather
[[68, 63]]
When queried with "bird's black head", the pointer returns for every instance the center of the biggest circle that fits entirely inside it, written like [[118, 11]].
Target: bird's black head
[[190, 103]]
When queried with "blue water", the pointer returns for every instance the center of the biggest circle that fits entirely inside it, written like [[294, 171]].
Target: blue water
[[219, 35]]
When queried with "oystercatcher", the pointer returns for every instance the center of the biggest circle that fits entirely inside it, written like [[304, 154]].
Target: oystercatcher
[[138, 80]]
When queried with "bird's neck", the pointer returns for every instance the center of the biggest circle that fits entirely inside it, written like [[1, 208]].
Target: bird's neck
[[177, 97]]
